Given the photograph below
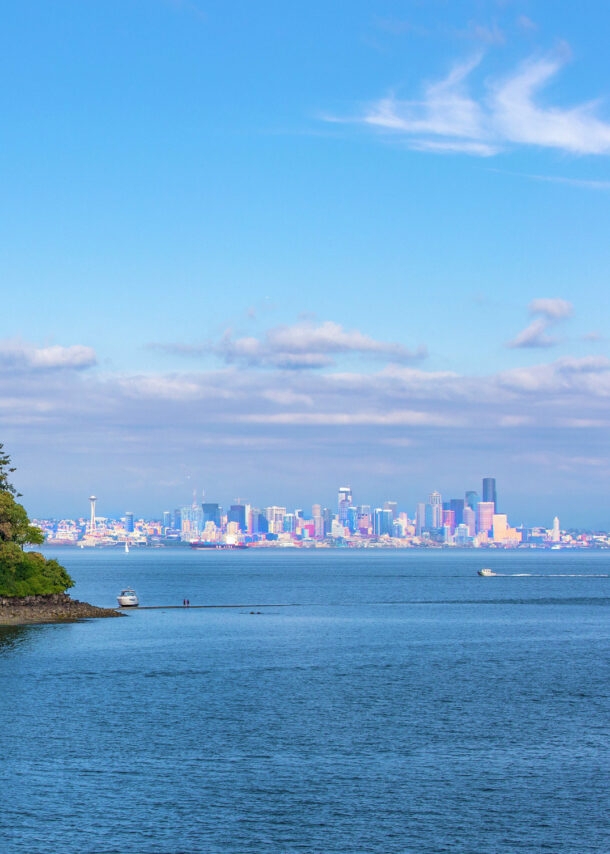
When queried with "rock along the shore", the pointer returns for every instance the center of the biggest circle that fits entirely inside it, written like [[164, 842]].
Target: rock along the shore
[[54, 608]]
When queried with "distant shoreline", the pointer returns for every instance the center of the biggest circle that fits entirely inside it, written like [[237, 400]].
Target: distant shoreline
[[54, 608]]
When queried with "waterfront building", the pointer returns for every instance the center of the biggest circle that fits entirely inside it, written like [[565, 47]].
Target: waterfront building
[[435, 512], [275, 518], [211, 513], [470, 520], [237, 513], [210, 532], [500, 527], [472, 499], [344, 502], [129, 522], [489, 492], [191, 522], [457, 506], [462, 535], [420, 519], [337, 530], [382, 522], [352, 519], [555, 534], [502, 533], [259, 523], [485, 517], [318, 521]]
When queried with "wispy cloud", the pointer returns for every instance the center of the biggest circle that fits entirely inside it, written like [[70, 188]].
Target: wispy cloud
[[526, 24], [446, 116], [533, 335], [300, 346], [603, 186], [507, 111], [551, 310]]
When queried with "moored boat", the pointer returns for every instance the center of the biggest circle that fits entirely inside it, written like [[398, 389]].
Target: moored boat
[[128, 598]]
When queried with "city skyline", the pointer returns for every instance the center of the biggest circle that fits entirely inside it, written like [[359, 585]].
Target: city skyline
[[431, 514], [466, 522], [262, 251]]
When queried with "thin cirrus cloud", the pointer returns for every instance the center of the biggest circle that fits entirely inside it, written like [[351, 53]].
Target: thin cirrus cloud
[[550, 311], [448, 117], [300, 346]]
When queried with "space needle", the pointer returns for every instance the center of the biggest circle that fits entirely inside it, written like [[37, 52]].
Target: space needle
[[92, 499]]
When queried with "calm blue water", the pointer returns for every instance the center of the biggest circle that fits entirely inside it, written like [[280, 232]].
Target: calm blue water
[[379, 702]]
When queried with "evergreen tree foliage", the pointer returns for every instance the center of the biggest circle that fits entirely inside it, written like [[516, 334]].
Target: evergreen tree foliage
[[23, 573], [5, 471]]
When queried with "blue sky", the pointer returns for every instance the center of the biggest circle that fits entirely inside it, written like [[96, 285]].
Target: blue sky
[[267, 249]]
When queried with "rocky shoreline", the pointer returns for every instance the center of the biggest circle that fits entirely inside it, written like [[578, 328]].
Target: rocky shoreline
[[55, 608]]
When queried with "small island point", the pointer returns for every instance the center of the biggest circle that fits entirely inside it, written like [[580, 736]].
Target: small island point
[[32, 587]]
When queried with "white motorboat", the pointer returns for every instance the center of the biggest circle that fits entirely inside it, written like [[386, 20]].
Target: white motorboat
[[128, 598], [486, 572]]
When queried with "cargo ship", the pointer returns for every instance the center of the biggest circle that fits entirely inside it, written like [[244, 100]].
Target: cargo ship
[[201, 545]]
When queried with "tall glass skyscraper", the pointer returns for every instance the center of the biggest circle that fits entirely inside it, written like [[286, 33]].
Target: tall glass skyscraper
[[237, 513], [345, 502], [472, 499], [489, 491]]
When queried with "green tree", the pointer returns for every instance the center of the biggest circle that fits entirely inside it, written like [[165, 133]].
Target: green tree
[[5, 470], [23, 573], [15, 525]]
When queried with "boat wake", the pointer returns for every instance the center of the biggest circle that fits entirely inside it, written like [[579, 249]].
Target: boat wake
[[552, 575]]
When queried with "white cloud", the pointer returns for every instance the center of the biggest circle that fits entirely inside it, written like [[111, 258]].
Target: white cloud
[[21, 355], [402, 418], [587, 376], [506, 111], [518, 119], [128, 436], [300, 346], [446, 109], [552, 310], [533, 335]]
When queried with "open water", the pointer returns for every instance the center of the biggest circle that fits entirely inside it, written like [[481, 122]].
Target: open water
[[349, 702]]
